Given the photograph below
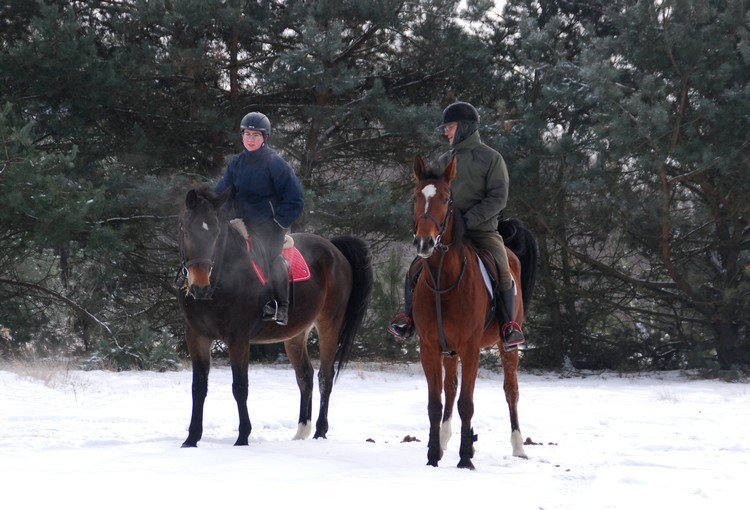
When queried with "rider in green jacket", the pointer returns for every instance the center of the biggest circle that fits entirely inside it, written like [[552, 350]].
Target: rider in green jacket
[[480, 193]]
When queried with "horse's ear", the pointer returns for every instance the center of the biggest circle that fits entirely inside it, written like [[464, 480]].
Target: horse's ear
[[221, 199], [450, 171], [419, 168], [191, 199]]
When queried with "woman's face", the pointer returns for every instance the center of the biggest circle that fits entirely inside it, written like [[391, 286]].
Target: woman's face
[[449, 131], [252, 140]]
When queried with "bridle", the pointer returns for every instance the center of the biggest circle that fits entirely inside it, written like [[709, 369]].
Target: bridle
[[441, 226], [214, 262], [435, 286]]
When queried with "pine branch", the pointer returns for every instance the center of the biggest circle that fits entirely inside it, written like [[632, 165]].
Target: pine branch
[[132, 218]]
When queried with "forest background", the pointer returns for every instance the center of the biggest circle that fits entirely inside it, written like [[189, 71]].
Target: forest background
[[624, 125]]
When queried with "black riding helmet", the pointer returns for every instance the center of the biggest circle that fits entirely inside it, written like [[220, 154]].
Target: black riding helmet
[[256, 121], [459, 111], [465, 116]]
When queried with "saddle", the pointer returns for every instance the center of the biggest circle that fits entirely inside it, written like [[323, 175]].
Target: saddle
[[490, 264], [299, 271], [493, 286]]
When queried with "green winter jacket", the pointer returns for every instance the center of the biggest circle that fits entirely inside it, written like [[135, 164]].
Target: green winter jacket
[[480, 190]]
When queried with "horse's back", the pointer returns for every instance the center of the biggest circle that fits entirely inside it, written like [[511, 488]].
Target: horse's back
[[320, 254]]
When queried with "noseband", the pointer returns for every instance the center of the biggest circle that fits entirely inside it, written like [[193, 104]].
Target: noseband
[[441, 226]]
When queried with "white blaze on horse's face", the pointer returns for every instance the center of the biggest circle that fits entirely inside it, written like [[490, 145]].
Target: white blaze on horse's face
[[428, 191], [199, 246], [427, 227]]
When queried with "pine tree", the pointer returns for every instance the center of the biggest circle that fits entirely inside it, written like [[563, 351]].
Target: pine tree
[[627, 135], [673, 92], [144, 99]]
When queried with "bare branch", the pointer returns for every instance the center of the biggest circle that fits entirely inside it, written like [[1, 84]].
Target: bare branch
[[59, 297]]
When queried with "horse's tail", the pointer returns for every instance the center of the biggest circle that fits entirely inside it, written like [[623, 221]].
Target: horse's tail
[[359, 256], [521, 241]]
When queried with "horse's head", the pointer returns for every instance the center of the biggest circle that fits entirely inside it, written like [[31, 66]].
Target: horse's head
[[433, 205], [202, 228]]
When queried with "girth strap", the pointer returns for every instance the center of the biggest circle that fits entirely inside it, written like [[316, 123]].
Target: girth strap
[[438, 292]]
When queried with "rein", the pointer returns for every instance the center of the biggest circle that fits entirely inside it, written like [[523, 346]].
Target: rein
[[435, 287]]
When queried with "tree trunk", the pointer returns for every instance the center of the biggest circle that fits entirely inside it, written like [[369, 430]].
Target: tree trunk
[[727, 343], [556, 335]]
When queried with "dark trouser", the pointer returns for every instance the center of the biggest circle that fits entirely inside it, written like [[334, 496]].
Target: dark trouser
[[271, 237], [493, 242], [505, 293]]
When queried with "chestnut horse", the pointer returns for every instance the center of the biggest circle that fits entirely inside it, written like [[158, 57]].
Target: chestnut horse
[[451, 309], [222, 298]]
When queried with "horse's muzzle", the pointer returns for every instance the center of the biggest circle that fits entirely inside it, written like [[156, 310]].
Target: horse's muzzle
[[425, 246], [200, 293]]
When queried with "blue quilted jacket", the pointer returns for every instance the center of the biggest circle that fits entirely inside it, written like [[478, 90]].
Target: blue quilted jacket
[[265, 187]]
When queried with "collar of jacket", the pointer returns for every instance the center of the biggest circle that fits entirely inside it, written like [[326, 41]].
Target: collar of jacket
[[257, 153], [472, 141]]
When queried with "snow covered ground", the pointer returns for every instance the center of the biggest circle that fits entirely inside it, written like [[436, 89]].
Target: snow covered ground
[[112, 440]]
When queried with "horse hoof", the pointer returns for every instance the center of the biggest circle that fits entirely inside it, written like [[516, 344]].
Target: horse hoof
[[319, 436], [432, 463], [466, 464], [240, 442], [189, 444]]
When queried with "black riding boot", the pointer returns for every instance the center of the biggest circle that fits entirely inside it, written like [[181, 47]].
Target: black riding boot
[[277, 310], [505, 310], [402, 325]]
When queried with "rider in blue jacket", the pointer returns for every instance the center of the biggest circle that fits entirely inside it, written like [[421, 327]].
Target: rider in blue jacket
[[268, 197]]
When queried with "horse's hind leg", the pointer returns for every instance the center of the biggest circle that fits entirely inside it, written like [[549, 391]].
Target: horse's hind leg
[[510, 385], [199, 348], [296, 351], [450, 363], [239, 355], [328, 340]]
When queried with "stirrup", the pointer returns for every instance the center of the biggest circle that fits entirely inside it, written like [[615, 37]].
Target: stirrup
[[282, 315], [270, 310], [402, 326], [511, 335]]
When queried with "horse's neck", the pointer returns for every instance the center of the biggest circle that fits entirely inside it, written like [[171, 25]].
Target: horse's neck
[[450, 254]]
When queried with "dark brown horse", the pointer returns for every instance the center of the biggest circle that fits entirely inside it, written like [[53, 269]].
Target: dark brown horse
[[222, 299], [451, 313]]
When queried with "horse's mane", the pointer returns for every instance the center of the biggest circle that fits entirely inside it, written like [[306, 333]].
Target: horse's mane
[[237, 233], [432, 174], [459, 226], [206, 191]]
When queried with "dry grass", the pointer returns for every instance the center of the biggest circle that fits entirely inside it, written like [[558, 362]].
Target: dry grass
[[53, 373]]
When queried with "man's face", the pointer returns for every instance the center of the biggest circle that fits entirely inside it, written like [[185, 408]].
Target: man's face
[[449, 131], [252, 140]]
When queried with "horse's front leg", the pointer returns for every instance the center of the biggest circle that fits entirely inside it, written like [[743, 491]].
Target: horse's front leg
[[199, 348], [239, 355], [469, 368], [510, 385], [433, 372], [450, 364]]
